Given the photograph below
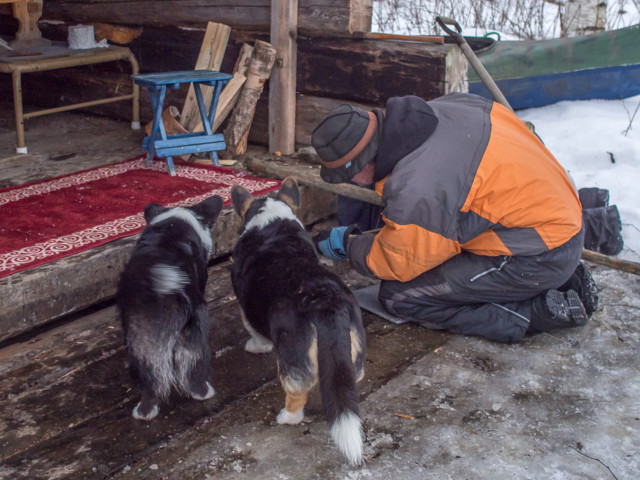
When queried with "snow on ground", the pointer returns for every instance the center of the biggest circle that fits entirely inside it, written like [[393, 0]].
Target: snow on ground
[[597, 142]]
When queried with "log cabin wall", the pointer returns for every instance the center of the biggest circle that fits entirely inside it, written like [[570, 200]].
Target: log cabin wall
[[333, 65]]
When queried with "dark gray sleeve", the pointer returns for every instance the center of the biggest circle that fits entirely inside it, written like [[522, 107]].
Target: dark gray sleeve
[[358, 248]]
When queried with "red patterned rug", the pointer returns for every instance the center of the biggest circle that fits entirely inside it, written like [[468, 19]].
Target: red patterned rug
[[50, 219]]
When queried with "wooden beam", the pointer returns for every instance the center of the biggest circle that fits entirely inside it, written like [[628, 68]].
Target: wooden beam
[[617, 263], [406, 38], [210, 58], [316, 17], [371, 71], [310, 175], [282, 88]]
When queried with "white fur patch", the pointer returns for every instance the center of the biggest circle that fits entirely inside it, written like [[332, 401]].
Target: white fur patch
[[290, 418], [346, 432], [184, 360], [191, 218], [168, 279], [271, 211], [210, 393], [152, 414], [258, 345]]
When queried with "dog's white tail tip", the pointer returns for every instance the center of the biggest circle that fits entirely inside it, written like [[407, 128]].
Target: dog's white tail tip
[[346, 432]]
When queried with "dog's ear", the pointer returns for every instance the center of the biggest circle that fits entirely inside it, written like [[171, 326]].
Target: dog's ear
[[153, 210], [241, 200], [289, 193], [209, 209]]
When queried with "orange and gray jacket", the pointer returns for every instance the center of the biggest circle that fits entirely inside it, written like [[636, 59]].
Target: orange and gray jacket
[[478, 181]]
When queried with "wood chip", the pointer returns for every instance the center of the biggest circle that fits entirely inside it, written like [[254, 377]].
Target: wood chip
[[401, 415]]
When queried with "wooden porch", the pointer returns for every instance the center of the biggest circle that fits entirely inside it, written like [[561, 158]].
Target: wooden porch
[[65, 394]]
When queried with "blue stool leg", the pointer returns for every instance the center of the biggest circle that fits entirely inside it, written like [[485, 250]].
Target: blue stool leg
[[157, 100], [203, 110], [214, 157], [214, 101], [170, 168]]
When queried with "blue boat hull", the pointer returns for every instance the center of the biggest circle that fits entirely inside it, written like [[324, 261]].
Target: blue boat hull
[[609, 83]]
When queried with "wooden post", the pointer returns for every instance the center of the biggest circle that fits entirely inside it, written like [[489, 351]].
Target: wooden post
[[210, 58], [282, 90], [237, 131], [360, 12]]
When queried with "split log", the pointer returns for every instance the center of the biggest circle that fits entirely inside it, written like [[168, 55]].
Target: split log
[[237, 131], [228, 98], [231, 91], [244, 59], [211, 54]]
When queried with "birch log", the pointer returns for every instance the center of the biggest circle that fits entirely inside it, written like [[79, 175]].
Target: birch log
[[582, 17], [237, 131]]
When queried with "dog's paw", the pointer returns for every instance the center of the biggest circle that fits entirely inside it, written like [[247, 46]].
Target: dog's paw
[[210, 393], [290, 418], [258, 345], [153, 413]]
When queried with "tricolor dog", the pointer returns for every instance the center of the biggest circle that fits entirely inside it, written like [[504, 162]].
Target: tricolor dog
[[292, 304], [162, 307]]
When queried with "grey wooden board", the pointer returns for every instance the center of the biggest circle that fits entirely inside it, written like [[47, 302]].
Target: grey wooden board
[[367, 298]]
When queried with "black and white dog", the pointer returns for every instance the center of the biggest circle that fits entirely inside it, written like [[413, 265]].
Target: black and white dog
[[162, 306], [291, 303]]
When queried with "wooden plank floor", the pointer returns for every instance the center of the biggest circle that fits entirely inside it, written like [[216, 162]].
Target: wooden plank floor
[[67, 397]]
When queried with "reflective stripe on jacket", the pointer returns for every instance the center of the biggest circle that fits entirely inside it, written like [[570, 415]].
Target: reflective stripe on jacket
[[482, 182]]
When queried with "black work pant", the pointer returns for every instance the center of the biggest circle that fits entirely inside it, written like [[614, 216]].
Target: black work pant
[[477, 295]]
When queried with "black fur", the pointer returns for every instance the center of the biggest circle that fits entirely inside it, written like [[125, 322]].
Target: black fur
[[165, 322], [288, 297]]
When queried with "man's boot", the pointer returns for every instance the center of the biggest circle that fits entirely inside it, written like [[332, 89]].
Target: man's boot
[[602, 230], [584, 285], [554, 309]]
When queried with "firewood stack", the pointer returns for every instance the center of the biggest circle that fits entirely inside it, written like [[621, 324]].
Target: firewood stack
[[240, 96]]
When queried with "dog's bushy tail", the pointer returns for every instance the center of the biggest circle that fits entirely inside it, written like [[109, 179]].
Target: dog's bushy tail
[[337, 378]]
